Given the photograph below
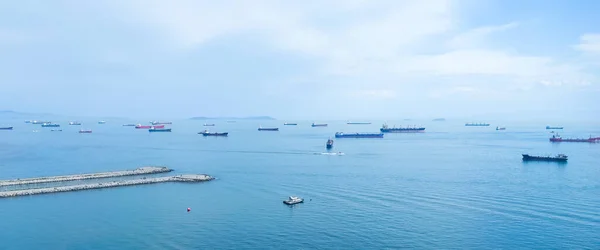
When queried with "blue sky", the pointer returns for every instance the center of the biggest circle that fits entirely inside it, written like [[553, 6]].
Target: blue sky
[[338, 59]]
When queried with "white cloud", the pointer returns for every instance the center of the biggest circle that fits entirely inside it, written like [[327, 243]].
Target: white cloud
[[478, 36], [589, 43]]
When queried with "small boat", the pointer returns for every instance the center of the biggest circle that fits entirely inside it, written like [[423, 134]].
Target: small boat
[[206, 133], [85, 131], [290, 124], [56, 130], [159, 130], [550, 127], [102, 122], [329, 144], [6, 128], [129, 125], [50, 125], [500, 128], [292, 200], [318, 124], [358, 135], [471, 124], [158, 126], [358, 123], [28, 121], [557, 158], [75, 123], [140, 126], [209, 124], [267, 129]]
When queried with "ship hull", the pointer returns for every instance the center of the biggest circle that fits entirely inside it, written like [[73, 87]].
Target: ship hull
[[358, 135], [402, 130], [543, 158], [477, 125], [318, 125], [268, 129], [214, 134], [50, 125], [159, 130], [358, 123], [6, 128]]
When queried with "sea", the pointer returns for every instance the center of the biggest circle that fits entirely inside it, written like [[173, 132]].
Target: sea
[[452, 187]]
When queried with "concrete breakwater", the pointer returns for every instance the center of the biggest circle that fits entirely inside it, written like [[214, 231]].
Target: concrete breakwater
[[178, 178], [77, 177]]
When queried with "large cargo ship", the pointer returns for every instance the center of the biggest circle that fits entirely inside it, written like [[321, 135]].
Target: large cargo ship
[[557, 158], [206, 133], [85, 131], [358, 135], [140, 126], [550, 127], [159, 123], [6, 128], [50, 125], [385, 129], [159, 130], [267, 129], [557, 138], [290, 124], [471, 124], [318, 124], [75, 123]]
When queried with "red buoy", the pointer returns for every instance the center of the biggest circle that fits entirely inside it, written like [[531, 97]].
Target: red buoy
[[189, 209]]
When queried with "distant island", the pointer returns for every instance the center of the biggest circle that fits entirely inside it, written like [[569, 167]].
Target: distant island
[[233, 118], [439, 119]]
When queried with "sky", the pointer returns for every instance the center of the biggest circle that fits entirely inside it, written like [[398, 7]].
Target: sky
[[336, 59]]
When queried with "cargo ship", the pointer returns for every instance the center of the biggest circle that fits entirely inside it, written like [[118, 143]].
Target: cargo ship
[[28, 121], [38, 122], [358, 123], [290, 124], [358, 135], [206, 133], [500, 128], [158, 126], [385, 129], [267, 129], [50, 125], [6, 128], [477, 124], [550, 127], [318, 124], [557, 138], [85, 131], [209, 124], [140, 126], [159, 130], [129, 125], [159, 123], [75, 123], [102, 122], [557, 158], [329, 144]]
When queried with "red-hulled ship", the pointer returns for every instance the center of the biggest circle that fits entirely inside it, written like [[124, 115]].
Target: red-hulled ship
[[557, 138], [140, 126]]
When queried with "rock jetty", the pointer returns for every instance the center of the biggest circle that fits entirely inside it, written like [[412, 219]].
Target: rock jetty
[[77, 177], [178, 178]]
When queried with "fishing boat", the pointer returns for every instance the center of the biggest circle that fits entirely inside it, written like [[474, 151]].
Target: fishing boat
[[500, 128], [74, 123], [318, 124], [129, 125], [292, 200], [159, 130], [385, 129], [209, 124], [358, 135], [557, 158], [329, 144], [85, 131], [557, 138], [50, 125], [102, 122], [290, 124], [477, 124], [140, 126], [267, 129], [6, 128], [206, 133], [358, 123], [551, 127]]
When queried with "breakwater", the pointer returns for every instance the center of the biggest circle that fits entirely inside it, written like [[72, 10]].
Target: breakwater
[[177, 178], [77, 177]]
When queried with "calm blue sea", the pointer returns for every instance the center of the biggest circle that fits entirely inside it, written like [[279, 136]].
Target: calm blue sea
[[453, 187]]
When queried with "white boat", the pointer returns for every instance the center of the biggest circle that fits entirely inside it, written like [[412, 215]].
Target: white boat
[[293, 200]]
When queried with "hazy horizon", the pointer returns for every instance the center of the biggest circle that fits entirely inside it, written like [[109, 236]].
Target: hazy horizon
[[310, 60]]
